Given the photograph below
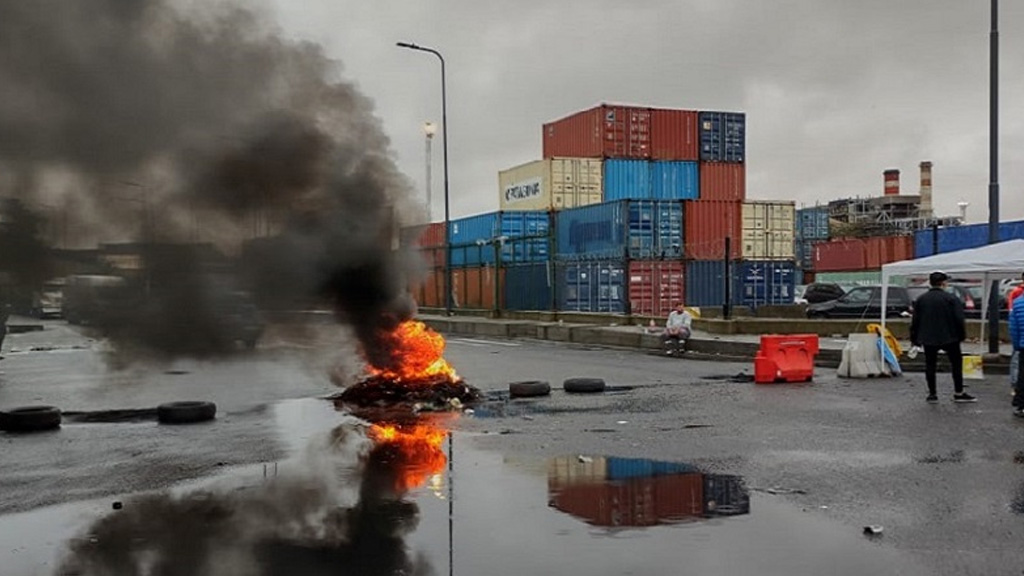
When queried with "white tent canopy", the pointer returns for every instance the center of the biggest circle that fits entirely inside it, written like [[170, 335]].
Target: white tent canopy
[[990, 262]]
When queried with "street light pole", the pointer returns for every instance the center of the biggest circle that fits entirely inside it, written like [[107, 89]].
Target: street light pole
[[447, 206], [993, 183], [429, 129]]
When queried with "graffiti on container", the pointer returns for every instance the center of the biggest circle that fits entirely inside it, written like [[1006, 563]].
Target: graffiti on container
[[580, 233], [523, 190]]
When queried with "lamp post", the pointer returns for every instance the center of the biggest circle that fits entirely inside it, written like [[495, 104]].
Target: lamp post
[[993, 182], [447, 206], [429, 129]]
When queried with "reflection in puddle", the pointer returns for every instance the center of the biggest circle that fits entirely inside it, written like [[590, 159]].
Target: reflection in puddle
[[620, 492]]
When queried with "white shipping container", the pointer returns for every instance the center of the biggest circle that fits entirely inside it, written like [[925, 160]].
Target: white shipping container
[[769, 230], [551, 184]]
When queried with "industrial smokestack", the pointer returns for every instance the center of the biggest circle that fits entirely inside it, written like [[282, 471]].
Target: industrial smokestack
[[926, 190], [892, 182]]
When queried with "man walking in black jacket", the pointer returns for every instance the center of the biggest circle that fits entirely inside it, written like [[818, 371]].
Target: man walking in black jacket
[[938, 324]]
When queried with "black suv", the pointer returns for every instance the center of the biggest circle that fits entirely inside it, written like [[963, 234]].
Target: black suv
[[822, 292], [865, 302]]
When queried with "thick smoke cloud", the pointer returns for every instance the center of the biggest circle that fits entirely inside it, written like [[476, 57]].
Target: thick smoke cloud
[[291, 525], [203, 127]]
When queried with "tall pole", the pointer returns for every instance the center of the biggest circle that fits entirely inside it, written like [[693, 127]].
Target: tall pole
[[993, 183], [429, 129], [447, 203]]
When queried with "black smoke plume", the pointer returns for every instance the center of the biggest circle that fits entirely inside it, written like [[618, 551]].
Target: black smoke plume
[[296, 525], [235, 159]]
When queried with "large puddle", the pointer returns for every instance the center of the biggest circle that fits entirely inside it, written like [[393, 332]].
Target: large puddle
[[431, 503]]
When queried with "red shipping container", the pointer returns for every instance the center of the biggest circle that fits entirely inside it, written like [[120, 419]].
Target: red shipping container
[[887, 249], [433, 257], [674, 134], [723, 181], [840, 255], [708, 223], [474, 288], [425, 236], [808, 277], [655, 286], [602, 132], [678, 497], [429, 291]]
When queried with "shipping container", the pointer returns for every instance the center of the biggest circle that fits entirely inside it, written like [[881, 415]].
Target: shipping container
[[551, 184], [840, 255], [655, 286], [675, 181], [723, 181], [805, 254], [752, 284], [423, 236], [627, 180], [810, 277], [674, 134], [768, 230], [477, 288], [953, 238], [708, 223], [725, 495], [645, 501], [433, 257], [625, 468], [812, 223], [606, 131], [638, 229], [529, 286], [526, 237], [591, 286], [722, 136], [567, 470], [428, 292], [882, 250]]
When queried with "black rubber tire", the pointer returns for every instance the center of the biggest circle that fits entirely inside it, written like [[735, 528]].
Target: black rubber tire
[[529, 389], [583, 385], [186, 412], [30, 419]]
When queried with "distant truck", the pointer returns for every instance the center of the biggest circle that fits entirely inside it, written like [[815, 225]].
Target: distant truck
[[85, 297], [48, 301]]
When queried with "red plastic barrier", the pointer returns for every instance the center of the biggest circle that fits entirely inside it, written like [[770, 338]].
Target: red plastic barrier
[[785, 358]]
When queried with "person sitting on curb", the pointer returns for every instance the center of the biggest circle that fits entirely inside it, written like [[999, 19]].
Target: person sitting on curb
[[1017, 339], [677, 330]]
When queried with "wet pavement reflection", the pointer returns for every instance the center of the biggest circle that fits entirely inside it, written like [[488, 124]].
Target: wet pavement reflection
[[614, 492], [415, 497]]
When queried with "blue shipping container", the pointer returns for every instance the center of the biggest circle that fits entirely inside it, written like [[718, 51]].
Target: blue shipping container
[[529, 286], [812, 223], [626, 468], [627, 180], [637, 229], [805, 254], [589, 286], [722, 136], [485, 228], [675, 180], [953, 238], [752, 284]]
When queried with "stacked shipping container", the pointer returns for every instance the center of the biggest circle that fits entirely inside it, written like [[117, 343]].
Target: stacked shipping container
[[953, 238], [635, 195]]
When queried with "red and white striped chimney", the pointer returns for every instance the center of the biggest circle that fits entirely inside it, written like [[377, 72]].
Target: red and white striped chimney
[[892, 182], [926, 189]]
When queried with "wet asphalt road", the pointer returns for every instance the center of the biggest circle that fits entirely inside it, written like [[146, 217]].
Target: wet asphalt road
[[945, 481]]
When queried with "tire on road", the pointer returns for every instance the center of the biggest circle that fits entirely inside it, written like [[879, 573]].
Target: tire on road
[[529, 389], [583, 385], [30, 419], [186, 412]]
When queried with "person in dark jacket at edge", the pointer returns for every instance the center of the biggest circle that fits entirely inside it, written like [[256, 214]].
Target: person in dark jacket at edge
[[938, 324], [1017, 338]]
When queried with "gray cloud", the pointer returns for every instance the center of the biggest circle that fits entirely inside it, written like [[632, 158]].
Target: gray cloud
[[835, 91]]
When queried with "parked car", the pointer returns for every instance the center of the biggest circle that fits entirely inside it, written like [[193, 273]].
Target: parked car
[[48, 301], [864, 302], [822, 292], [972, 294]]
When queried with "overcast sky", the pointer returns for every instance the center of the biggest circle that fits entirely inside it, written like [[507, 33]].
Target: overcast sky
[[835, 91]]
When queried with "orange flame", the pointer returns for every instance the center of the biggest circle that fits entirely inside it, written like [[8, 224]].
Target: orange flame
[[419, 355], [419, 450]]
